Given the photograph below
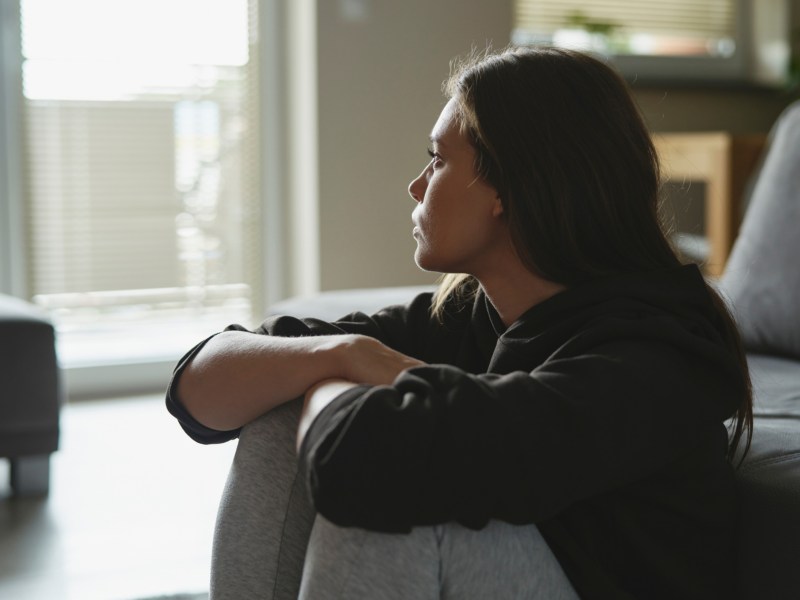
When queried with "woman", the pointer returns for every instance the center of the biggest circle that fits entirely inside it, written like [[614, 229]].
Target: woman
[[569, 377]]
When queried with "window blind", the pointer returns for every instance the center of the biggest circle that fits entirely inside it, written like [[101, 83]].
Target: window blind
[[103, 199], [141, 148], [701, 19]]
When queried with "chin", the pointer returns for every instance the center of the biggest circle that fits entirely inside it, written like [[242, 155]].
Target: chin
[[423, 261], [429, 263]]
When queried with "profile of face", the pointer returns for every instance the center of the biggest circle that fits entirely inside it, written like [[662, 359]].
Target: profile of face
[[458, 219]]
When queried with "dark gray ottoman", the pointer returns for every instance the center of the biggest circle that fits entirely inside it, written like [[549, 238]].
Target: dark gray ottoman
[[30, 395]]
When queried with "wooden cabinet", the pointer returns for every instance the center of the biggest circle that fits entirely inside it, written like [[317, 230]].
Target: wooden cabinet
[[724, 163]]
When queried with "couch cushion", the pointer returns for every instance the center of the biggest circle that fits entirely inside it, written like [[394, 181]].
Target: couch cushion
[[776, 387], [30, 398], [335, 304], [769, 483], [769, 488], [16, 310], [762, 277]]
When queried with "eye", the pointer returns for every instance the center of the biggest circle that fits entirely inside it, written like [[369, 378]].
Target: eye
[[435, 157]]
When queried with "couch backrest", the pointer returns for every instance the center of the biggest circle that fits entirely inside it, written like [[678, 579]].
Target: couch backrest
[[762, 277]]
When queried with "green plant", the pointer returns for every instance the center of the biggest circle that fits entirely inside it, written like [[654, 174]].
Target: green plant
[[793, 79], [580, 20]]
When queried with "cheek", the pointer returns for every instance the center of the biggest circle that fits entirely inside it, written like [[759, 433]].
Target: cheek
[[436, 224], [437, 200]]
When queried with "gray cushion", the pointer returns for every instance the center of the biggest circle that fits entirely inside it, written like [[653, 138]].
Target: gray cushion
[[19, 311], [335, 304], [769, 491], [776, 388], [30, 396], [762, 278]]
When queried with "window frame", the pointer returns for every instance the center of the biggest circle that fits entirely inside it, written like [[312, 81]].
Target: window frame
[[13, 280]]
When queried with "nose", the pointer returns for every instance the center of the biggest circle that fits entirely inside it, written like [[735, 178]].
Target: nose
[[416, 189]]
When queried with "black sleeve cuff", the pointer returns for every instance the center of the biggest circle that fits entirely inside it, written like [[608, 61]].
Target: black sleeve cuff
[[193, 428]]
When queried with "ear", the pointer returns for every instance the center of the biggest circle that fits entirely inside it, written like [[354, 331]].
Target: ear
[[497, 209]]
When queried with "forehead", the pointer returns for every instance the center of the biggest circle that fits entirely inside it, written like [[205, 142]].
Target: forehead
[[447, 125]]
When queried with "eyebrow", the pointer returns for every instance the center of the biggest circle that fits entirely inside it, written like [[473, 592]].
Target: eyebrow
[[437, 140]]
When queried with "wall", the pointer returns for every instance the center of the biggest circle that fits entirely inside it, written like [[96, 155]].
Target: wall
[[380, 68], [685, 109]]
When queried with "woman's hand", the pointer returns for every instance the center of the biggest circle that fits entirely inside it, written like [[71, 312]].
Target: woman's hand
[[368, 361]]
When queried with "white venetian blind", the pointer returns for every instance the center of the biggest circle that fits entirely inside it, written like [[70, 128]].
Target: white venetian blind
[[140, 121], [677, 27]]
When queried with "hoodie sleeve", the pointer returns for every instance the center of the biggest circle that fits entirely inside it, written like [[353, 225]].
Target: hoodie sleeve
[[441, 444]]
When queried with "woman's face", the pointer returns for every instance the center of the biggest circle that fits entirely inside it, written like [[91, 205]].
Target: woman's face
[[458, 221]]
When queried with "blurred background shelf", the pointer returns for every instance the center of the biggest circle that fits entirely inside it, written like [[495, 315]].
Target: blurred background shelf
[[723, 163]]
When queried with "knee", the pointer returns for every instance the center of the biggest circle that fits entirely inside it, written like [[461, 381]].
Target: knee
[[272, 435]]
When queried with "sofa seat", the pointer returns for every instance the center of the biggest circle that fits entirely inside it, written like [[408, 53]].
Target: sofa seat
[[332, 305], [30, 398], [769, 484]]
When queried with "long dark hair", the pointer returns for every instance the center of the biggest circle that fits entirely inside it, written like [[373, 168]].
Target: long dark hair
[[558, 135]]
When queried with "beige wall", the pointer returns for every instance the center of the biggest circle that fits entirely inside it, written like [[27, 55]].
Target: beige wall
[[734, 110], [379, 76]]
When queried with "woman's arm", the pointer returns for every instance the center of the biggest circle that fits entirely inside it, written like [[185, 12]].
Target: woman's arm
[[238, 376]]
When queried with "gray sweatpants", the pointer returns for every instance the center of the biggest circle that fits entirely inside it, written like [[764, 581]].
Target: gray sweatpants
[[270, 544]]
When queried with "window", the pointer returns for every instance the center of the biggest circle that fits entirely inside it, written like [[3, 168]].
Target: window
[[709, 40], [140, 130]]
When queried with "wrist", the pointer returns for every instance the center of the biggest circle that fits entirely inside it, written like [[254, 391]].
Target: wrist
[[335, 352]]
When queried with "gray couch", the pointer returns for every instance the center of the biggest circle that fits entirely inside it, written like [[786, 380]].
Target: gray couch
[[30, 396], [762, 283]]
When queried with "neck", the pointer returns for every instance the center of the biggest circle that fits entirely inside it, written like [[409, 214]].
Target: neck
[[512, 296]]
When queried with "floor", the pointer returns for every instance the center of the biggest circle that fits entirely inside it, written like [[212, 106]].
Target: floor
[[130, 513]]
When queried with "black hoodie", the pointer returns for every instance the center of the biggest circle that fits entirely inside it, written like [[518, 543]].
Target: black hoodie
[[598, 415]]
